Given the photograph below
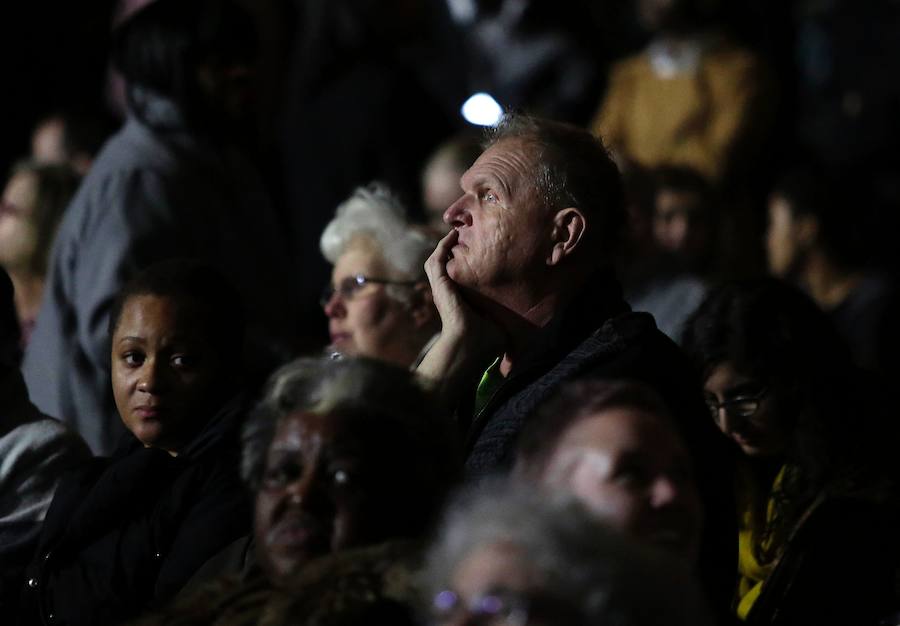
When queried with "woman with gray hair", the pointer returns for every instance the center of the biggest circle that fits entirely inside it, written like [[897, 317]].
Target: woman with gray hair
[[507, 554], [379, 302]]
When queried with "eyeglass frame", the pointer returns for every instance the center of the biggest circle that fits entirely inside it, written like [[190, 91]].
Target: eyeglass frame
[[715, 406], [351, 285], [513, 608]]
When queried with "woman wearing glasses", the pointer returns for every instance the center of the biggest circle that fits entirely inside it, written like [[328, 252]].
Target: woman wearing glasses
[[814, 494], [379, 302]]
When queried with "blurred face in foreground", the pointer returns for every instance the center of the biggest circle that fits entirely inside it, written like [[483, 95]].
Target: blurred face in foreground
[[327, 486], [497, 584], [630, 468]]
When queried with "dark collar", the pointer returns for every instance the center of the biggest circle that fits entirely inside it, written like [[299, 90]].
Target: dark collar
[[598, 299]]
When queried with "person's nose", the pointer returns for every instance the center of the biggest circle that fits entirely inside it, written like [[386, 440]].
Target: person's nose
[[726, 421], [665, 492], [334, 306], [457, 214], [152, 378], [303, 492]]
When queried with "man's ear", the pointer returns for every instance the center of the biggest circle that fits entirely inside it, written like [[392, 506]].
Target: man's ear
[[569, 226], [421, 304]]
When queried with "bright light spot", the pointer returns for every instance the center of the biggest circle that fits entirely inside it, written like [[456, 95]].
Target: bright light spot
[[482, 110]]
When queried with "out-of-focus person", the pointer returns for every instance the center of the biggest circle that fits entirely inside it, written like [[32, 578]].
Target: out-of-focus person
[[816, 487], [349, 461], [508, 554], [128, 531], [31, 208], [692, 98], [613, 445], [814, 239], [71, 138], [669, 279], [36, 451], [379, 302], [441, 174], [168, 184]]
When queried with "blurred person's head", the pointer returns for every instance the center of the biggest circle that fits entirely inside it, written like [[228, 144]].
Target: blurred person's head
[[198, 54], [342, 454], [612, 445], [683, 214], [441, 174], [542, 209], [176, 333], [379, 302], [508, 554], [811, 213], [33, 203], [774, 372], [71, 138]]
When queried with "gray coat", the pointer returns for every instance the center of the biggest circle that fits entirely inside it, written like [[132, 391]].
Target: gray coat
[[150, 195]]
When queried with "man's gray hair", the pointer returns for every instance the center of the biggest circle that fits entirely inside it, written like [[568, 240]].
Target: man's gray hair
[[594, 570], [365, 388], [572, 169], [374, 212]]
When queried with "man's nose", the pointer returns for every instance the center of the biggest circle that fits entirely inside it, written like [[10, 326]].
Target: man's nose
[[457, 214]]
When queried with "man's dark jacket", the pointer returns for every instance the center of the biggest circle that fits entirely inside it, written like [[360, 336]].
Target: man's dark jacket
[[127, 532], [598, 335]]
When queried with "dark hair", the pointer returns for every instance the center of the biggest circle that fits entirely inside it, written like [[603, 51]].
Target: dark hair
[[54, 187], [573, 402], [572, 169], [831, 199], [680, 178], [162, 45], [386, 405], [195, 284], [10, 335], [774, 333]]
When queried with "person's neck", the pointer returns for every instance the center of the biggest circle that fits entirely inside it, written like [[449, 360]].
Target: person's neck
[[828, 283], [28, 291], [522, 317]]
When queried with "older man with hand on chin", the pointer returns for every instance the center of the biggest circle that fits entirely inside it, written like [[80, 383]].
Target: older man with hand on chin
[[528, 299]]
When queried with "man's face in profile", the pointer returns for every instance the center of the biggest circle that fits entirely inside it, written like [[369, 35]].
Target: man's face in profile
[[503, 226]]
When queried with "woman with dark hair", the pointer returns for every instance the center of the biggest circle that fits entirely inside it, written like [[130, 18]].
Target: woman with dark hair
[[169, 184], [815, 491], [127, 532], [33, 203]]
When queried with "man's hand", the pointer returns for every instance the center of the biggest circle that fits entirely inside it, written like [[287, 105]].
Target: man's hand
[[468, 342]]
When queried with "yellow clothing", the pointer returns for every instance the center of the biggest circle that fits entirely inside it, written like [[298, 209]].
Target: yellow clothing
[[752, 573], [699, 119]]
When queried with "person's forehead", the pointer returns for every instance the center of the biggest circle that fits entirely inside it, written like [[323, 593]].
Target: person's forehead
[[509, 161], [620, 427]]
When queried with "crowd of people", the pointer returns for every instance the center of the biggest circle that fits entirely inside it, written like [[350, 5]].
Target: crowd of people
[[606, 364]]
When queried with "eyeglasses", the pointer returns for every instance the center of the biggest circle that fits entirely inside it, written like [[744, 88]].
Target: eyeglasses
[[349, 287], [499, 607], [740, 406]]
